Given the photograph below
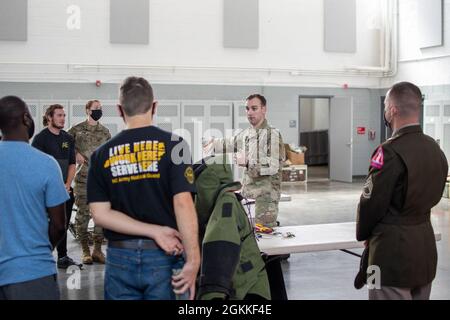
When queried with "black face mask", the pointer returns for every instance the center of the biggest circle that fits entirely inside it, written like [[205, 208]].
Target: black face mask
[[30, 127], [96, 114], [386, 123]]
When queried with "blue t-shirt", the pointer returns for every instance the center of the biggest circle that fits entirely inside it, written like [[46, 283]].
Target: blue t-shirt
[[30, 182]]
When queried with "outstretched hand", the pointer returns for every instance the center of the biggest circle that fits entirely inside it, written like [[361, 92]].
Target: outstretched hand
[[208, 147]]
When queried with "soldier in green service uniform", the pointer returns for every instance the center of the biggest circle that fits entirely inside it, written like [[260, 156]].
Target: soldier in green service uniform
[[260, 150], [406, 179], [232, 266], [88, 135]]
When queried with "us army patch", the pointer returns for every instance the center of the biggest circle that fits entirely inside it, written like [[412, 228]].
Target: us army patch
[[367, 189], [189, 175], [377, 161]]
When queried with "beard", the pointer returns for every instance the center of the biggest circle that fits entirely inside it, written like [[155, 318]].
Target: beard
[[55, 125]]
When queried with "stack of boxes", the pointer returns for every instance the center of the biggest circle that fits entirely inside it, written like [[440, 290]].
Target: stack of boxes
[[293, 157], [295, 169]]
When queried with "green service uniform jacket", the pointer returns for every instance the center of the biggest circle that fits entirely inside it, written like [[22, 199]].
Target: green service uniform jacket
[[406, 179], [232, 266]]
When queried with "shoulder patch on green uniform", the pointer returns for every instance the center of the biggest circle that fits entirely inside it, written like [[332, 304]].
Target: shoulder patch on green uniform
[[377, 161], [227, 209], [189, 175]]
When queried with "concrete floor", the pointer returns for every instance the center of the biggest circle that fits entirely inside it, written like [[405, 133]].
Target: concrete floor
[[321, 275]]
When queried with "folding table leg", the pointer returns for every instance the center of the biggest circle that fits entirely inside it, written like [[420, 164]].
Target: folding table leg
[[276, 279]]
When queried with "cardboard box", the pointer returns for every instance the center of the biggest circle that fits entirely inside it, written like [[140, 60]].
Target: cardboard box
[[293, 174], [294, 157]]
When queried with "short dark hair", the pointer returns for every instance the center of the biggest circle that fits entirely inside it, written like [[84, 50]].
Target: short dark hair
[[136, 96], [49, 112], [257, 95], [407, 97], [12, 109]]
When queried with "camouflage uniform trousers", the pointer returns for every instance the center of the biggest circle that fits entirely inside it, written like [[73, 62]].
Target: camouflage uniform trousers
[[83, 216], [266, 210], [266, 192]]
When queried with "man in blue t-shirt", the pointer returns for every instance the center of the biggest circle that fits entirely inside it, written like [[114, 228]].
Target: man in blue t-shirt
[[32, 217]]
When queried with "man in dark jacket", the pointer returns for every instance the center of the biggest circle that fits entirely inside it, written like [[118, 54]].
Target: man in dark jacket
[[406, 179]]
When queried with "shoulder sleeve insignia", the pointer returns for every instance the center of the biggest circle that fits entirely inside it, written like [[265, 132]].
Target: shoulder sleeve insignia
[[189, 175], [367, 189], [377, 161]]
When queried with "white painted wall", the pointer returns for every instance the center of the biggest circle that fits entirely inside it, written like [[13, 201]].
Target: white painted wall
[[428, 66], [188, 34]]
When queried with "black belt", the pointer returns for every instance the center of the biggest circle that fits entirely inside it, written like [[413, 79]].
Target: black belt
[[134, 244]]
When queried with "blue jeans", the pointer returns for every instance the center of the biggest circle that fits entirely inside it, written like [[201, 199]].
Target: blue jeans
[[140, 274]]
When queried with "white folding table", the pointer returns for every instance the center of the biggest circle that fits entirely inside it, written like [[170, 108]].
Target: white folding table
[[307, 238]]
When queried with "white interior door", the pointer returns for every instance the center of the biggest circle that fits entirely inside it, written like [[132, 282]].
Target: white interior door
[[220, 119], [432, 119], [194, 120], [168, 115], [111, 117], [445, 143], [341, 139], [77, 111], [204, 119], [240, 122], [437, 123]]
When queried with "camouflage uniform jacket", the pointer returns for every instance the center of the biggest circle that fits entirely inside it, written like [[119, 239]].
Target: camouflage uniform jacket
[[87, 139], [264, 151]]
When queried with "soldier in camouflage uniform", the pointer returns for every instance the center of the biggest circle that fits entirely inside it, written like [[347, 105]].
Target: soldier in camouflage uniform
[[88, 135], [260, 150]]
